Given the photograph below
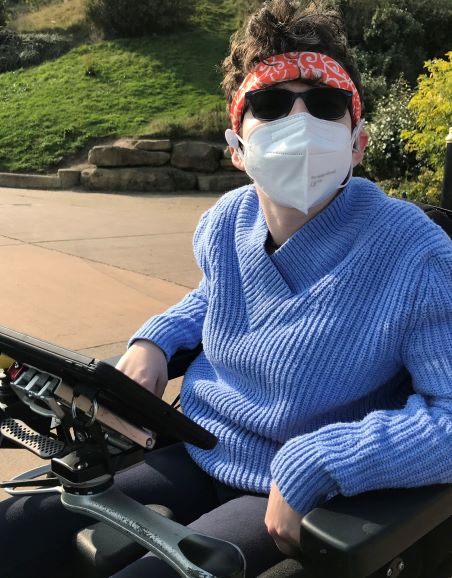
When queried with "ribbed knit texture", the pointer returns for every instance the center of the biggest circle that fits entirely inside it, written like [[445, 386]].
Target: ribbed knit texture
[[303, 377]]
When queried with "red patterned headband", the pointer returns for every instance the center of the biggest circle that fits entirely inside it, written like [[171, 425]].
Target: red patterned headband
[[291, 66]]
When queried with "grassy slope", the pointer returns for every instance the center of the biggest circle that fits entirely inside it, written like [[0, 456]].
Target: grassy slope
[[53, 110]]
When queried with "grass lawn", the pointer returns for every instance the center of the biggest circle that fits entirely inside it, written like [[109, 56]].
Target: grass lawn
[[164, 85], [55, 109]]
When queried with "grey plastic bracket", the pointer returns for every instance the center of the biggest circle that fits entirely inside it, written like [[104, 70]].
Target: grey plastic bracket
[[157, 534], [36, 389]]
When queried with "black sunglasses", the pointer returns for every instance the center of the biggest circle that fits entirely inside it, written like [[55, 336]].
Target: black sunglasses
[[274, 103]]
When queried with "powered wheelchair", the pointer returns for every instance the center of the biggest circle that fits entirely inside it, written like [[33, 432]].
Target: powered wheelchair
[[96, 432]]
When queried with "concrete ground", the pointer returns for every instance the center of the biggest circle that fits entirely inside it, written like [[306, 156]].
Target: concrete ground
[[85, 270]]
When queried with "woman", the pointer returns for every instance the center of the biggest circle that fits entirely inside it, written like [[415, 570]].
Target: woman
[[318, 294]]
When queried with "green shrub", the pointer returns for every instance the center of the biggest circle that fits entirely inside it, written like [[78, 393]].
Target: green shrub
[[375, 88], [374, 84], [118, 18], [398, 35], [23, 50], [432, 107], [386, 157], [395, 41]]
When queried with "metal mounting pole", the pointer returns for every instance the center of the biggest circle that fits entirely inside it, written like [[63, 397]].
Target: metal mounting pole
[[446, 196]]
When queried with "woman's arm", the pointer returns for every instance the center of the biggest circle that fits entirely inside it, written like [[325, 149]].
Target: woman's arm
[[180, 327], [388, 448]]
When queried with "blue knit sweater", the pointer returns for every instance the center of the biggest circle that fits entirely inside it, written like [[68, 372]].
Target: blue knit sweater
[[304, 375]]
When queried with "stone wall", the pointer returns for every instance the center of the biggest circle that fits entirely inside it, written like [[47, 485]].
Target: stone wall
[[150, 165]]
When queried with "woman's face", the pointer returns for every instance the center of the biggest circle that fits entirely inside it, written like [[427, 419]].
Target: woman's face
[[249, 122]]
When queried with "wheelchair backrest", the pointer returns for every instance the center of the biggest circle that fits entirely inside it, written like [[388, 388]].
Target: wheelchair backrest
[[442, 217]]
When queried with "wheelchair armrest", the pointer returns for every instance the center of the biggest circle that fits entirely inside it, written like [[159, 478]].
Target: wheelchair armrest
[[181, 360], [354, 537]]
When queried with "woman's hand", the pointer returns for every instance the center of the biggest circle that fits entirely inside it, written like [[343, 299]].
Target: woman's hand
[[146, 364], [283, 523]]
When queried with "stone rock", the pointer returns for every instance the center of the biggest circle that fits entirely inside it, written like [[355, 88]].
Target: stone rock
[[153, 145], [196, 156], [221, 182], [21, 181], [126, 142], [69, 178], [143, 179], [120, 156]]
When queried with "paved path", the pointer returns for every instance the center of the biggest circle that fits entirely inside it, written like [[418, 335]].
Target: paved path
[[84, 270]]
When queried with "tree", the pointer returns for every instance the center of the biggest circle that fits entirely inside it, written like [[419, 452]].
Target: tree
[[395, 43], [432, 107], [386, 157], [394, 37]]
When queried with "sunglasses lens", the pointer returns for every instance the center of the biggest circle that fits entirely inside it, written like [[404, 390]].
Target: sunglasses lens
[[324, 103], [327, 103], [271, 104]]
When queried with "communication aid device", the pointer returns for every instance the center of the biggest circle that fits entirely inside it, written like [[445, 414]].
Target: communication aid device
[[111, 388]]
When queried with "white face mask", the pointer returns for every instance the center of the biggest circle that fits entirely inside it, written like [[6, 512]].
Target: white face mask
[[299, 160]]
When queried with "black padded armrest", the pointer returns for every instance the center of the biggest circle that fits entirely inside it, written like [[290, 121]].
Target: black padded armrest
[[354, 537], [181, 360]]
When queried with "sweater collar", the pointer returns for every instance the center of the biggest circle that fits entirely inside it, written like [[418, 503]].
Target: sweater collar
[[309, 255]]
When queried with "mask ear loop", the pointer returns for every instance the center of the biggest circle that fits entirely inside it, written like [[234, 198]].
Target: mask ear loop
[[354, 138], [234, 140], [355, 134]]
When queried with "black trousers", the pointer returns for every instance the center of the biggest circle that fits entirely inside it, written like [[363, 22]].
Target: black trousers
[[36, 532]]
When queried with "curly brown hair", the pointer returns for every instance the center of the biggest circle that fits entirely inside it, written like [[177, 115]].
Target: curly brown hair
[[288, 26]]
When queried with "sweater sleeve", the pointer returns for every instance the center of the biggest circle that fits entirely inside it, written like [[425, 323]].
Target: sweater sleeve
[[406, 447], [180, 326]]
